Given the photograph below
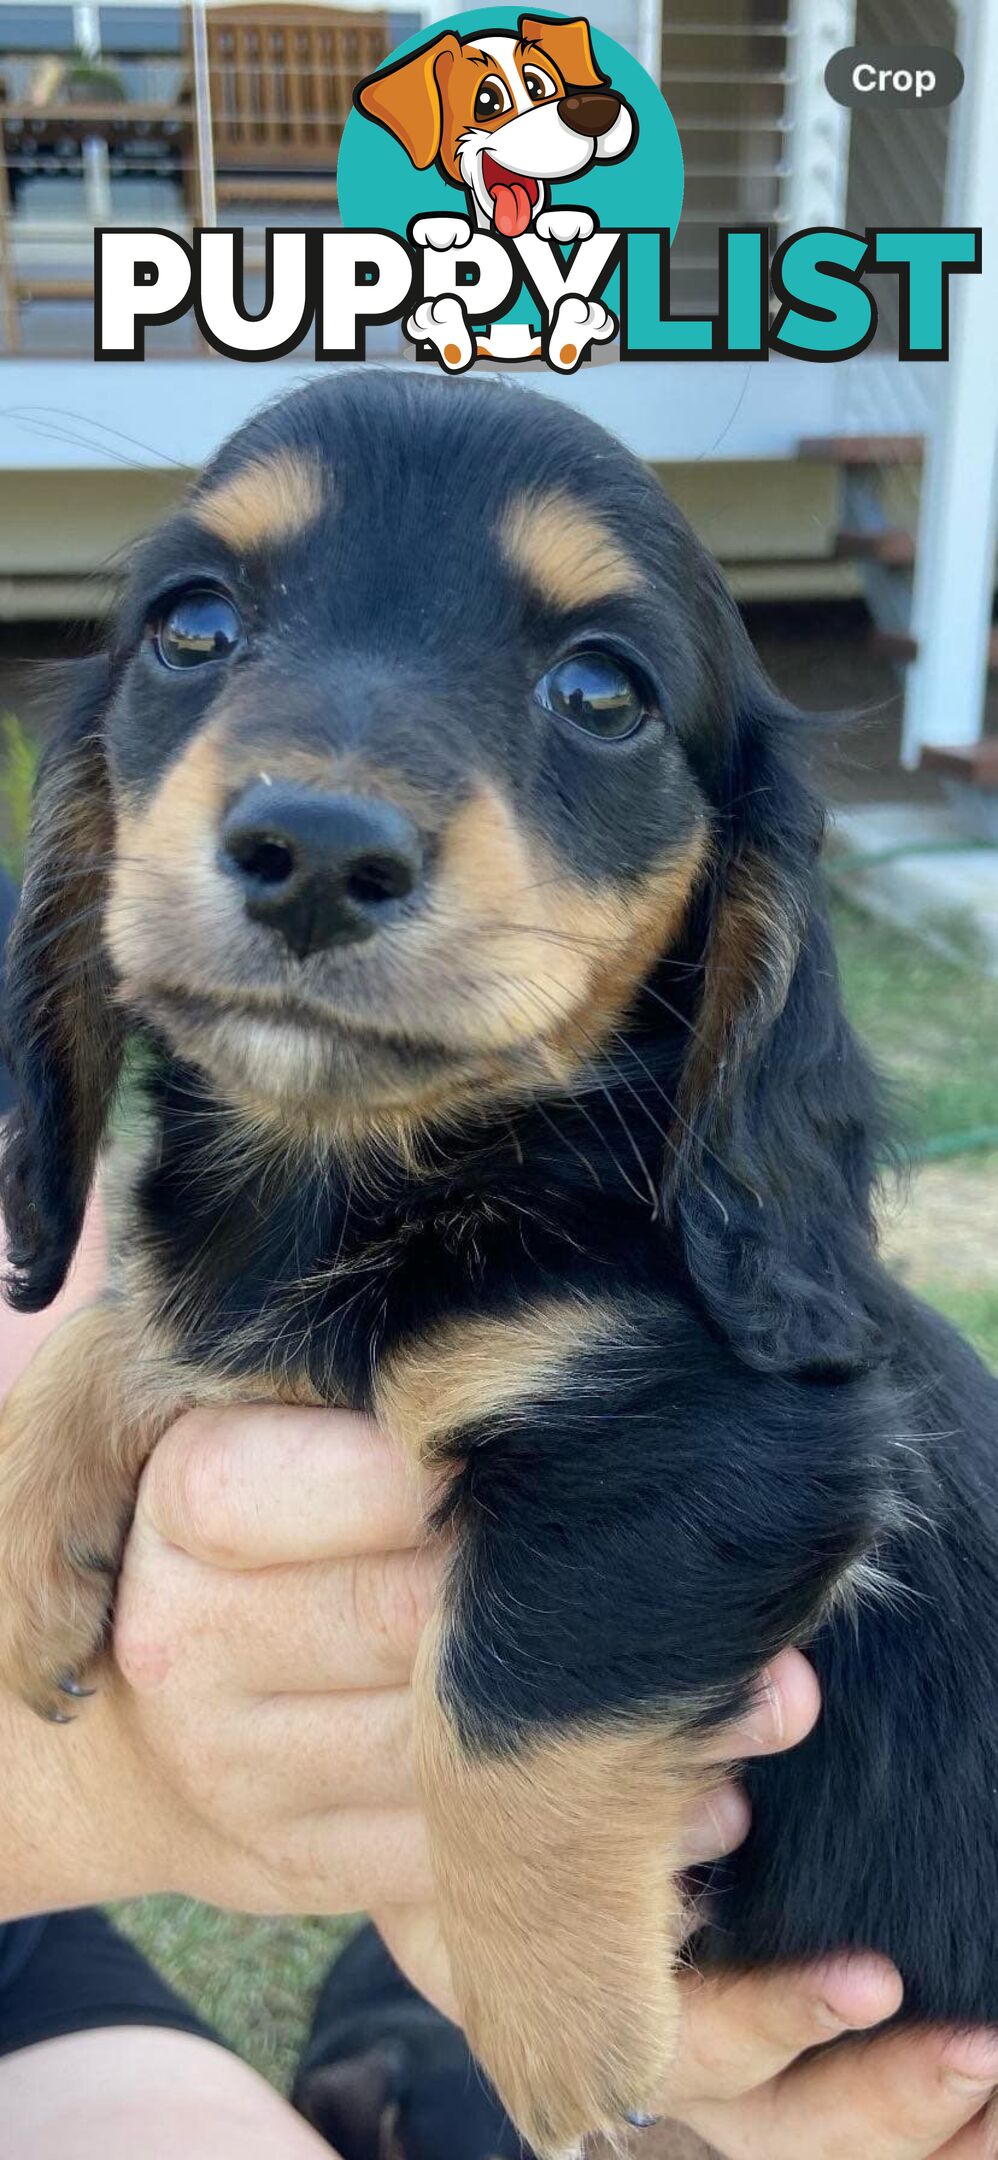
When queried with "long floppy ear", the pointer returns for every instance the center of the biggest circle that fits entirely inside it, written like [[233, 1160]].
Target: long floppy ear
[[63, 1036], [780, 1113], [569, 45], [408, 99]]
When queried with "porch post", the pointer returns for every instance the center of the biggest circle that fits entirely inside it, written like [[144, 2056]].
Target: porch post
[[816, 142], [648, 41], [96, 163], [955, 561], [202, 115]]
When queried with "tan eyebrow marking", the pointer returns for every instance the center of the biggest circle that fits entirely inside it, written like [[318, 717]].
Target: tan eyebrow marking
[[271, 498], [564, 551]]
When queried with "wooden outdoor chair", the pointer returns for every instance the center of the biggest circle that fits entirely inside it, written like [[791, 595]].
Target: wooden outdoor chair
[[282, 81]]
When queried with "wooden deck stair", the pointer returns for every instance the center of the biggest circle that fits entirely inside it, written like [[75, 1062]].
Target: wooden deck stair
[[885, 554]]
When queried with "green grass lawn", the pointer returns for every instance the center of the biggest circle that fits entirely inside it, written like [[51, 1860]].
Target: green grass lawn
[[934, 1026], [253, 1980]]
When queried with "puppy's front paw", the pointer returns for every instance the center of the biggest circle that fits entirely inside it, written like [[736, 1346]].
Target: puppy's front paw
[[562, 1916], [443, 324], [575, 325], [73, 1437], [57, 1571], [440, 232], [565, 225]]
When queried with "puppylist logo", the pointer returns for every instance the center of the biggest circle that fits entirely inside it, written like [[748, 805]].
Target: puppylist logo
[[510, 187]]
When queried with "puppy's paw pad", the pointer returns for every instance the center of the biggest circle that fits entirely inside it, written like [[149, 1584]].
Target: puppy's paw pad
[[440, 232], [575, 325], [565, 225]]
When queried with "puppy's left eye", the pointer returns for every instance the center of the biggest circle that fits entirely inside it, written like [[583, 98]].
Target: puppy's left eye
[[196, 626], [493, 98], [597, 692], [537, 85]]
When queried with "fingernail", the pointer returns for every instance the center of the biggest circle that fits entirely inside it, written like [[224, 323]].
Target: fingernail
[[642, 2122], [851, 1993], [764, 1727], [971, 2061], [719, 1826]]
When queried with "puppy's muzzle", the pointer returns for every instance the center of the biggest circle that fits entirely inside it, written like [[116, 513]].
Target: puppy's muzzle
[[319, 870], [589, 112]]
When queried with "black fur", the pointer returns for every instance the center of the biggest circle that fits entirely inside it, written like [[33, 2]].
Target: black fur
[[385, 2077], [774, 1407]]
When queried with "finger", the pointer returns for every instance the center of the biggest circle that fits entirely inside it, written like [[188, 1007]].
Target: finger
[[345, 1624], [784, 1707], [313, 1752], [978, 2141], [340, 1624], [257, 1486], [717, 1825], [741, 2030], [898, 2098], [355, 1860]]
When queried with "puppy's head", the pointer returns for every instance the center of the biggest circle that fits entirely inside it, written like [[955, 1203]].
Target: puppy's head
[[425, 730], [503, 116], [401, 806]]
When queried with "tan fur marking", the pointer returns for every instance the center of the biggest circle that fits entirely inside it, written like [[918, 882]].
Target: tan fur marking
[[74, 1434], [564, 551], [556, 1872], [468, 1370], [751, 957], [657, 918], [563, 957], [272, 498]]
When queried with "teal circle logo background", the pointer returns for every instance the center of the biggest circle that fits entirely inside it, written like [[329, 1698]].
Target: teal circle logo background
[[380, 187]]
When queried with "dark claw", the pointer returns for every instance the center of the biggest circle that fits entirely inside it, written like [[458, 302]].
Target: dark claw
[[51, 1716], [642, 2122], [68, 1686]]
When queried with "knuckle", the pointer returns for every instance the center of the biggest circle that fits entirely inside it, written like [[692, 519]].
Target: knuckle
[[190, 1493], [388, 1603]]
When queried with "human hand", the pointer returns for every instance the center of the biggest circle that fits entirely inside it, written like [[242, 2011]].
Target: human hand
[[252, 1744], [906, 2095]]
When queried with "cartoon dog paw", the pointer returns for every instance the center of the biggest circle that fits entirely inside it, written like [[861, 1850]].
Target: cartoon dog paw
[[443, 324], [575, 325], [565, 225], [440, 232]]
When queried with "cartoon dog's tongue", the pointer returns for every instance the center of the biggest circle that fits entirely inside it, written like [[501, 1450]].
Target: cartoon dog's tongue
[[514, 196]]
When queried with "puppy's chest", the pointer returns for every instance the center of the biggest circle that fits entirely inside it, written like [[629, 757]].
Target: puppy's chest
[[303, 1294]]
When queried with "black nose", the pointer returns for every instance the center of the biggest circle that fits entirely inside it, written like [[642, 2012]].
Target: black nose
[[321, 870], [589, 112]]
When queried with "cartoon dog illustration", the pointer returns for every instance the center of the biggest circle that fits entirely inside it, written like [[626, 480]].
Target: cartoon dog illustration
[[503, 116], [541, 100]]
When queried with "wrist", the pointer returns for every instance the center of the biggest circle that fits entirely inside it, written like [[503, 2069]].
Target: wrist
[[76, 1825]]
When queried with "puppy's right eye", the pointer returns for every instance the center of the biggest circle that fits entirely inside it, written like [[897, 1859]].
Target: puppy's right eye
[[198, 625]]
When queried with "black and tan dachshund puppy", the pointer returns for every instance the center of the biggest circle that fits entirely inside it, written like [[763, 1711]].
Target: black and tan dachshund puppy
[[430, 822]]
